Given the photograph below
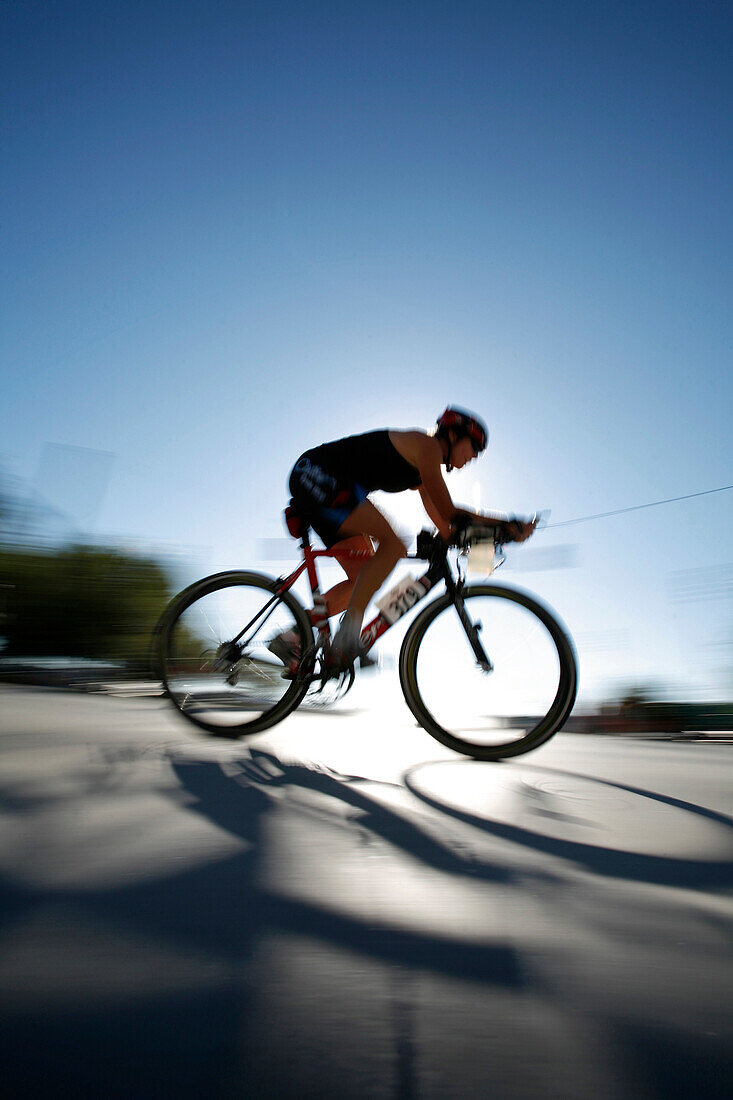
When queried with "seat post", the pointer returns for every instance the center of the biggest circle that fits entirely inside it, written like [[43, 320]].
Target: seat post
[[298, 526]]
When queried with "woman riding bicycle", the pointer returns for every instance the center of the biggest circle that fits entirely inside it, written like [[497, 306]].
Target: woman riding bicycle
[[330, 485]]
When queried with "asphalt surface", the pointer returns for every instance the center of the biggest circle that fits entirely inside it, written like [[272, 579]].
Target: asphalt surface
[[344, 908]]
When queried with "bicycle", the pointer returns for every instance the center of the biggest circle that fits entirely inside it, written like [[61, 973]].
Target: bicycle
[[212, 648]]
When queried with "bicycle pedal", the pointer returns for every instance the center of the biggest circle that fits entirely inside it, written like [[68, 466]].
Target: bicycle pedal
[[338, 663]]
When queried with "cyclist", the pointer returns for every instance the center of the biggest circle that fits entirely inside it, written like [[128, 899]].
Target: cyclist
[[330, 486]]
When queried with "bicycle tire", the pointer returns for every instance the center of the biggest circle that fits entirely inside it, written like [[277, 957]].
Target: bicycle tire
[[549, 722], [230, 706]]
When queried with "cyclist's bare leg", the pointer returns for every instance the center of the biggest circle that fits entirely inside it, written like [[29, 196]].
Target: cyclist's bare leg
[[337, 598], [368, 520], [287, 645]]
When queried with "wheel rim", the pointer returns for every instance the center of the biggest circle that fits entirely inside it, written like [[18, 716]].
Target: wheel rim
[[511, 704], [218, 669]]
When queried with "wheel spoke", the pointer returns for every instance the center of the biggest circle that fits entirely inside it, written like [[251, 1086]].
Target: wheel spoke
[[214, 634], [235, 687]]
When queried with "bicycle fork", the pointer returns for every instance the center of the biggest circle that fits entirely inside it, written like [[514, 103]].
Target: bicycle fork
[[472, 629]]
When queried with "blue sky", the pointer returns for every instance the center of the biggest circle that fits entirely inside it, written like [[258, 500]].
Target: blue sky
[[234, 230]]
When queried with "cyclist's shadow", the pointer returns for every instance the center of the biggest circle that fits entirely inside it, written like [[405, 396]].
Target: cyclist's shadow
[[235, 799], [238, 796]]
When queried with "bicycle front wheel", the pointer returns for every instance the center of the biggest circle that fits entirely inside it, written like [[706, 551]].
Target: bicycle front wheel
[[213, 654], [489, 715]]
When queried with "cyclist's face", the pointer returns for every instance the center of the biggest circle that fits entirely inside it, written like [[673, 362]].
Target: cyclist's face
[[462, 453]]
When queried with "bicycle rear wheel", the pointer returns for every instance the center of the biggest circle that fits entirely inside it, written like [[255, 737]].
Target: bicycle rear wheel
[[510, 710], [213, 656]]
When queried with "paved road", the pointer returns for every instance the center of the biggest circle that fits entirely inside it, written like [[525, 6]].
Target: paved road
[[343, 908]]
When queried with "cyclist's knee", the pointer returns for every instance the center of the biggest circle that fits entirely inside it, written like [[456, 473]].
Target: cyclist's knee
[[374, 526]]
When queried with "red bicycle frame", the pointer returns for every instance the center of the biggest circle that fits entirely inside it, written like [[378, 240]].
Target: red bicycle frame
[[380, 623]]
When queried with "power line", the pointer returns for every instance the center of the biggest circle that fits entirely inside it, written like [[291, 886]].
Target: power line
[[638, 507]]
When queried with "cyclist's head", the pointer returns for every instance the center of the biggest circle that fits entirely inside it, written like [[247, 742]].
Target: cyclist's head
[[463, 424]]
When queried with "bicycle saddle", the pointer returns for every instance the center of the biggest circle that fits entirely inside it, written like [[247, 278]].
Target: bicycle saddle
[[296, 523]]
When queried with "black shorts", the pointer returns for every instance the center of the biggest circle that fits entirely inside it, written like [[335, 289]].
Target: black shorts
[[324, 499]]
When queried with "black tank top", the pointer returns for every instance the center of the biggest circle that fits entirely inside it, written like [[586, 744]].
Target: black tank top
[[371, 460]]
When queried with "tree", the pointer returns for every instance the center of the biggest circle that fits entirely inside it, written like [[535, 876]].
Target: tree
[[79, 601]]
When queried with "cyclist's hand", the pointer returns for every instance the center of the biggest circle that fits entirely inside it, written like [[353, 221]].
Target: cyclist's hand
[[518, 530]]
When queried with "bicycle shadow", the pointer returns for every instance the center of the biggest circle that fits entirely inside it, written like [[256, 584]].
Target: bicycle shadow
[[187, 1035], [610, 862], [191, 1040], [249, 793], [245, 796]]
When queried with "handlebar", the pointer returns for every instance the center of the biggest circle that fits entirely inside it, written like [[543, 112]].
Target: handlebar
[[430, 545], [470, 534], [466, 534]]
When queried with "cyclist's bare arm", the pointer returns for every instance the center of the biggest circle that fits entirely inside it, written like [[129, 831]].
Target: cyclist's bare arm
[[444, 527], [423, 451], [513, 530]]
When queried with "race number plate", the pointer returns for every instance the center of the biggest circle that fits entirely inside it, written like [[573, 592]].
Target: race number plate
[[400, 599]]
